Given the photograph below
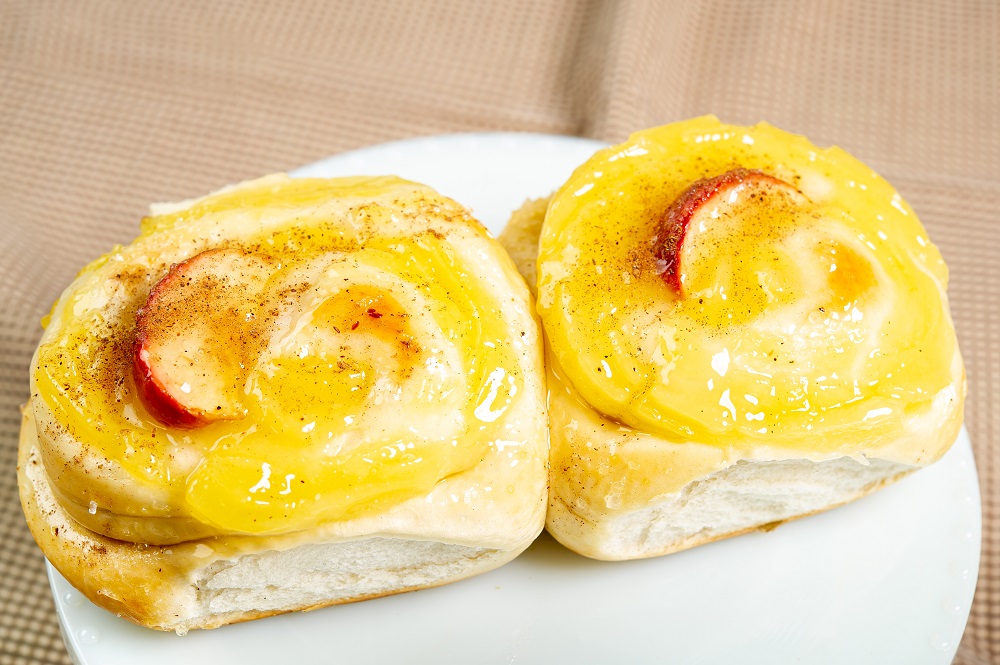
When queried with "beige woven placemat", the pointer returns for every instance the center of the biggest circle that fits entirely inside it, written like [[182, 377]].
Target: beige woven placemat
[[107, 106]]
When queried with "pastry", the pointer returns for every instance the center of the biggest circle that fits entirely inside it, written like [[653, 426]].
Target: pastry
[[742, 329], [287, 394]]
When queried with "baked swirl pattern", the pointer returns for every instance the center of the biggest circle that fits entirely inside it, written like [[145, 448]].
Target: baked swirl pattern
[[717, 295]]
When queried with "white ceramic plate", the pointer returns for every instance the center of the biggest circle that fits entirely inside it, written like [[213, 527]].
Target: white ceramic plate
[[887, 579]]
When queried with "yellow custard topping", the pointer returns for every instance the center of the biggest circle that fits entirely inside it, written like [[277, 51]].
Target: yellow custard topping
[[817, 320], [375, 361]]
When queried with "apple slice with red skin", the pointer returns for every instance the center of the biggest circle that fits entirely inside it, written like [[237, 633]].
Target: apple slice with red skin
[[702, 203], [190, 353]]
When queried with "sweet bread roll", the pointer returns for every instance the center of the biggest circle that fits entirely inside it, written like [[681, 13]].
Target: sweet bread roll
[[742, 329], [284, 395]]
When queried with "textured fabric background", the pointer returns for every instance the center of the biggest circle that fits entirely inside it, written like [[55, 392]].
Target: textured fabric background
[[105, 107]]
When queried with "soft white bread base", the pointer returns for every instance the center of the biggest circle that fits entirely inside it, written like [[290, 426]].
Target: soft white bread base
[[743, 497], [217, 581]]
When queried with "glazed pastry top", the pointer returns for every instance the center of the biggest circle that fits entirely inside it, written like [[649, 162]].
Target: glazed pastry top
[[723, 284], [379, 343]]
